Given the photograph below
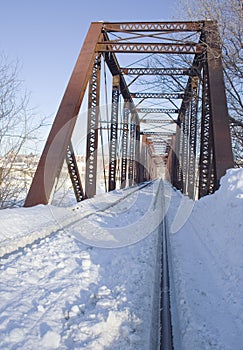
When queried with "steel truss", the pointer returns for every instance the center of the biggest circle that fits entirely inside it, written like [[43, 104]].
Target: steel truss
[[156, 95], [92, 130], [114, 130], [74, 174], [155, 71], [125, 140], [157, 110], [200, 148], [162, 48]]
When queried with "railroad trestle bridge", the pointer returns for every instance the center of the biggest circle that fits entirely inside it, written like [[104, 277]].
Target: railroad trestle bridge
[[163, 87]]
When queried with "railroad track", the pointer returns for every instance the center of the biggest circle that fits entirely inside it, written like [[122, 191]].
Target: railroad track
[[166, 336], [162, 300], [13, 244]]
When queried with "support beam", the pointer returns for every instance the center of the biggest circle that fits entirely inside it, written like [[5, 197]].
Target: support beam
[[142, 168], [157, 110], [74, 174], [162, 48], [154, 26], [158, 133], [126, 112], [158, 121], [194, 88], [92, 130], [155, 71], [114, 129], [137, 155], [55, 150], [218, 105], [156, 95], [131, 162]]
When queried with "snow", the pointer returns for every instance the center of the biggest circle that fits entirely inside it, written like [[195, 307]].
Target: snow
[[207, 260], [86, 277], [60, 293]]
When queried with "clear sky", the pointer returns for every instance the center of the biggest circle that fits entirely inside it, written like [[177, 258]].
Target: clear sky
[[46, 37]]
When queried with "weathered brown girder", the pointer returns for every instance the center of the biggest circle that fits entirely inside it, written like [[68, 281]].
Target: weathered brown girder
[[114, 130], [74, 174], [92, 129], [155, 71], [157, 110], [55, 150], [153, 26], [162, 48], [156, 95], [159, 121]]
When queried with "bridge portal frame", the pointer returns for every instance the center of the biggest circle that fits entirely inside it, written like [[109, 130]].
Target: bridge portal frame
[[215, 146]]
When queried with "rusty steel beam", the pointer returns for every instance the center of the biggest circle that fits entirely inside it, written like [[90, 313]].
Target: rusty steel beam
[[206, 161], [74, 174], [145, 95], [115, 69], [157, 110], [166, 48], [186, 133], [132, 150], [158, 121], [185, 148], [156, 71], [142, 168], [194, 88], [92, 130], [125, 140], [153, 26], [223, 155], [114, 130], [158, 133], [55, 149], [137, 155]]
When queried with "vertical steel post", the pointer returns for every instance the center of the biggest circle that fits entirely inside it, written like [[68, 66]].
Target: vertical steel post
[[142, 168], [206, 161], [175, 155], [223, 155], [114, 128], [173, 164], [131, 163], [92, 130], [185, 148], [193, 136], [125, 129], [137, 155]]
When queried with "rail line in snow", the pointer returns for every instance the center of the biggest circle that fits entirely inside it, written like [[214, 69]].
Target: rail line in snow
[[11, 244], [166, 336], [163, 333]]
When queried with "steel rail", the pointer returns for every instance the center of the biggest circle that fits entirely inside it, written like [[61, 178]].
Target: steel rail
[[162, 336], [166, 336]]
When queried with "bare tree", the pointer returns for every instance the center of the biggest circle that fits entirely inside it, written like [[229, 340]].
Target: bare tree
[[229, 15], [18, 130]]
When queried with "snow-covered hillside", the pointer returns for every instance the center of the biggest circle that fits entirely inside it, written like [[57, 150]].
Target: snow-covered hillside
[[86, 279]]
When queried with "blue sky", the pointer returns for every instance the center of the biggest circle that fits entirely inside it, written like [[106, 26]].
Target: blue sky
[[46, 37]]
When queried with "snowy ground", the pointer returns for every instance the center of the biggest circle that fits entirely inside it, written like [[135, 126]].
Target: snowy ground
[[89, 284], [59, 293], [207, 258]]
